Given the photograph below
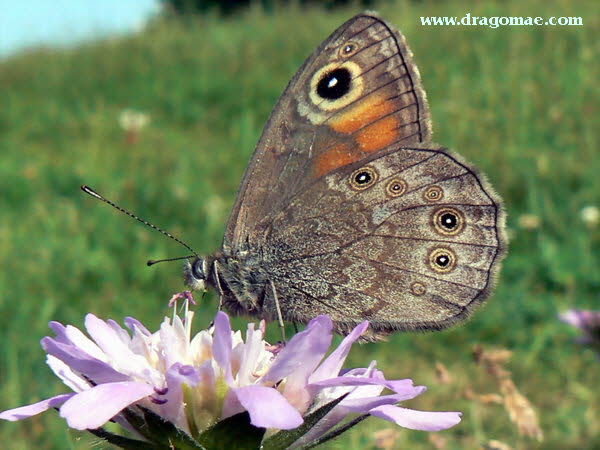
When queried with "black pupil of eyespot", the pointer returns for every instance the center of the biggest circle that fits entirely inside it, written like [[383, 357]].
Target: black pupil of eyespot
[[363, 177], [442, 260], [449, 220], [396, 187], [334, 84]]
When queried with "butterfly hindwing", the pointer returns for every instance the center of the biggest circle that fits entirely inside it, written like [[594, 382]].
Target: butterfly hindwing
[[415, 246]]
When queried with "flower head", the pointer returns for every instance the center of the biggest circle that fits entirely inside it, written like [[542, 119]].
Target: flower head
[[132, 122], [130, 119], [588, 322], [195, 382], [529, 221], [590, 215]]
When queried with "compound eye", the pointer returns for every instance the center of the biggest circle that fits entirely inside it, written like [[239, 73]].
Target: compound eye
[[198, 269]]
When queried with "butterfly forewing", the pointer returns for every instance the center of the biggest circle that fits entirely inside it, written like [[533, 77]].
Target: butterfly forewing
[[356, 94]]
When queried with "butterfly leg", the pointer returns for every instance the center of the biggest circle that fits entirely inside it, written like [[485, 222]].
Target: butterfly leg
[[279, 316], [218, 278]]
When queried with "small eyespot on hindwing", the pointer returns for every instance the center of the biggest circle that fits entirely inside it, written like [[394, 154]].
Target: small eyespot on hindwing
[[442, 259], [396, 187], [363, 178], [433, 194], [448, 221], [417, 288]]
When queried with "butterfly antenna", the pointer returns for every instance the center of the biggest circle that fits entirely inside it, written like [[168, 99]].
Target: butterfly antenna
[[88, 190], [151, 262]]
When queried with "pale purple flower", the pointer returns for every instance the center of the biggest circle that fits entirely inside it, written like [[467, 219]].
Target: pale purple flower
[[167, 372], [193, 382], [588, 322], [311, 382]]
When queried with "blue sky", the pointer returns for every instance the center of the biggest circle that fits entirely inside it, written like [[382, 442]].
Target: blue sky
[[27, 23]]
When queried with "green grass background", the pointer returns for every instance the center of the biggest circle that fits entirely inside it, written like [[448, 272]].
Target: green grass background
[[519, 102]]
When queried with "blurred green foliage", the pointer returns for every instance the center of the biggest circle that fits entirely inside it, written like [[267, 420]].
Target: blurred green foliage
[[519, 102], [186, 7]]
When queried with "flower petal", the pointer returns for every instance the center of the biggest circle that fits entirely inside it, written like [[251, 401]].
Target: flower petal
[[173, 408], [572, 317], [417, 420], [268, 408], [221, 346], [174, 342], [77, 338], [298, 360], [405, 389], [581, 318], [134, 324], [60, 330], [253, 354], [74, 380], [362, 404], [24, 412], [93, 408], [120, 331], [79, 361], [231, 405], [303, 352], [333, 364], [106, 338], [121, 357]]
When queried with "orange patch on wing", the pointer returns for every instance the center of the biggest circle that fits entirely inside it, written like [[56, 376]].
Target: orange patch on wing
[[373, 132], [378, 135], [337, 156], [362, 114]]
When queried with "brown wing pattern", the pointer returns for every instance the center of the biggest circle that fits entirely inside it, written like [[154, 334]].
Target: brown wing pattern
[[358, 93], [415, 246]]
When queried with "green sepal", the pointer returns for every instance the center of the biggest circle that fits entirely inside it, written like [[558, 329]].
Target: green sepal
[[284, 438], [160, 432], [335, 433], [234, 432], [122, 441]]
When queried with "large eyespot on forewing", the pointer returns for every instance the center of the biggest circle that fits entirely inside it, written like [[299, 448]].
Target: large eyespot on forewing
[[336, 85]]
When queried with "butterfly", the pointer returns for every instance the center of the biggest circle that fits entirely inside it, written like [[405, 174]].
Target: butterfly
[[348, 209]]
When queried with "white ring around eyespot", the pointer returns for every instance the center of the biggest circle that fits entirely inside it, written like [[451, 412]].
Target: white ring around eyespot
[[356, 86]]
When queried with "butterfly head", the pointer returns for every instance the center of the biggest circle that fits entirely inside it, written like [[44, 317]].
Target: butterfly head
[[195, 274]]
